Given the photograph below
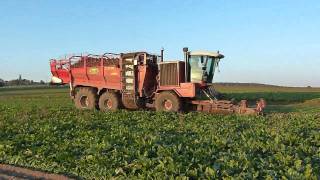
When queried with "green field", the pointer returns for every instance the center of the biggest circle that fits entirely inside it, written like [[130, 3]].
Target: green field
[[40, 128]]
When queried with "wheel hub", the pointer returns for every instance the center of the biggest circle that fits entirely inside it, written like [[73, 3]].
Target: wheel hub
[[168, 104], [84, 101], [108, 103]]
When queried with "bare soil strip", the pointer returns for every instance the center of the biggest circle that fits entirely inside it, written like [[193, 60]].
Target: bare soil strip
[[12, 172]]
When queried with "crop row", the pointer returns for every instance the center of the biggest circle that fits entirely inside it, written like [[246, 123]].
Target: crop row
[[43, 130], [148, 144]]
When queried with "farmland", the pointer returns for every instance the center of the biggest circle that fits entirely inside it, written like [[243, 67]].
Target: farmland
[[40, 129]]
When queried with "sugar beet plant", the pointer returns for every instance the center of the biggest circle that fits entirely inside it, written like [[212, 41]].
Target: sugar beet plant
[[57, 138]]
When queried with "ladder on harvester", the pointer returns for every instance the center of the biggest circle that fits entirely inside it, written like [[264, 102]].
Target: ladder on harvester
[[128, 83]]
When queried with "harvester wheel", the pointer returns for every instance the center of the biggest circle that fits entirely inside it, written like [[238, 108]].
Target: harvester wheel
[[109, 101], [168, 101], [85, 98]]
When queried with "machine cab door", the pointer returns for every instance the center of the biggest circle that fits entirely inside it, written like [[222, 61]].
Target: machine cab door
[[201, 68]]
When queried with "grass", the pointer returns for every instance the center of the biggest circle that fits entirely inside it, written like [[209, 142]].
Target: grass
[[243, 88], [41, 129], [304, 107], [274, 95]]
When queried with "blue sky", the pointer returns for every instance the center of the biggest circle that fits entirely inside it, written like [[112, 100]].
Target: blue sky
[[275, 41]]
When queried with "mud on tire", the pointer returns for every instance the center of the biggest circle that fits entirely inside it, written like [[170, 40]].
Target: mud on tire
[[168, 101], [109, 101], [85, 98]]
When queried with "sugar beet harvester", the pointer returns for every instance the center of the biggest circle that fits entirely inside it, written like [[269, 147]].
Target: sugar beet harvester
[[132, 80]]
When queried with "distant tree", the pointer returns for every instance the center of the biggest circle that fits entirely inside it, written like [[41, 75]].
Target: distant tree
[[21, 82]]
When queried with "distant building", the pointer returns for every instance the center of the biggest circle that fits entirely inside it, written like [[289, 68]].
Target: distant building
[[20, 80], [2, 82]]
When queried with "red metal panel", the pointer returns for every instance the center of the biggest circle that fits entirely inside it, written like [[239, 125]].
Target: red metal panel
[[184, 90], [79, 74], [112, 76]]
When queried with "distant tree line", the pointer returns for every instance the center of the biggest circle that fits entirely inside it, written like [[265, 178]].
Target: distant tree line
[[20, 82]]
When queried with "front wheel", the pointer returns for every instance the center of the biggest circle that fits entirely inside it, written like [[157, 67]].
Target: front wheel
[[168, 101], [109, 101]]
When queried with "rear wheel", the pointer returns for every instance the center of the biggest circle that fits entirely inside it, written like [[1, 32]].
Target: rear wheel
[[85, 98], [109, 101], [168, 101]]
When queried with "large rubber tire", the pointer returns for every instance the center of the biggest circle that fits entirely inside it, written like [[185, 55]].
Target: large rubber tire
[[109, 101], [168, 101], [85, 98]]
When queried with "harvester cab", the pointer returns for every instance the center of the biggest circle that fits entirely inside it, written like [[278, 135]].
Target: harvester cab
[[201, 65], [200, 68]]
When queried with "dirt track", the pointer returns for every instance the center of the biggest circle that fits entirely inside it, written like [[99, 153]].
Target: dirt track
[[17, 173]]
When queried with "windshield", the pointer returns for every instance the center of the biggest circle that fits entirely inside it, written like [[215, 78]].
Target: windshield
[[201, 68]]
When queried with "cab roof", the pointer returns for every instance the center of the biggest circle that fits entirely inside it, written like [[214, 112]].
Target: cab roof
[[206, 53]]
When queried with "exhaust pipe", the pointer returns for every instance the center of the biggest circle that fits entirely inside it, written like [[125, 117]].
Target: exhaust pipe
[[186, 67], [161, 58]]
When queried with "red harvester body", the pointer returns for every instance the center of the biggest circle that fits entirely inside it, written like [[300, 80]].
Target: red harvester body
[[132, 80]]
